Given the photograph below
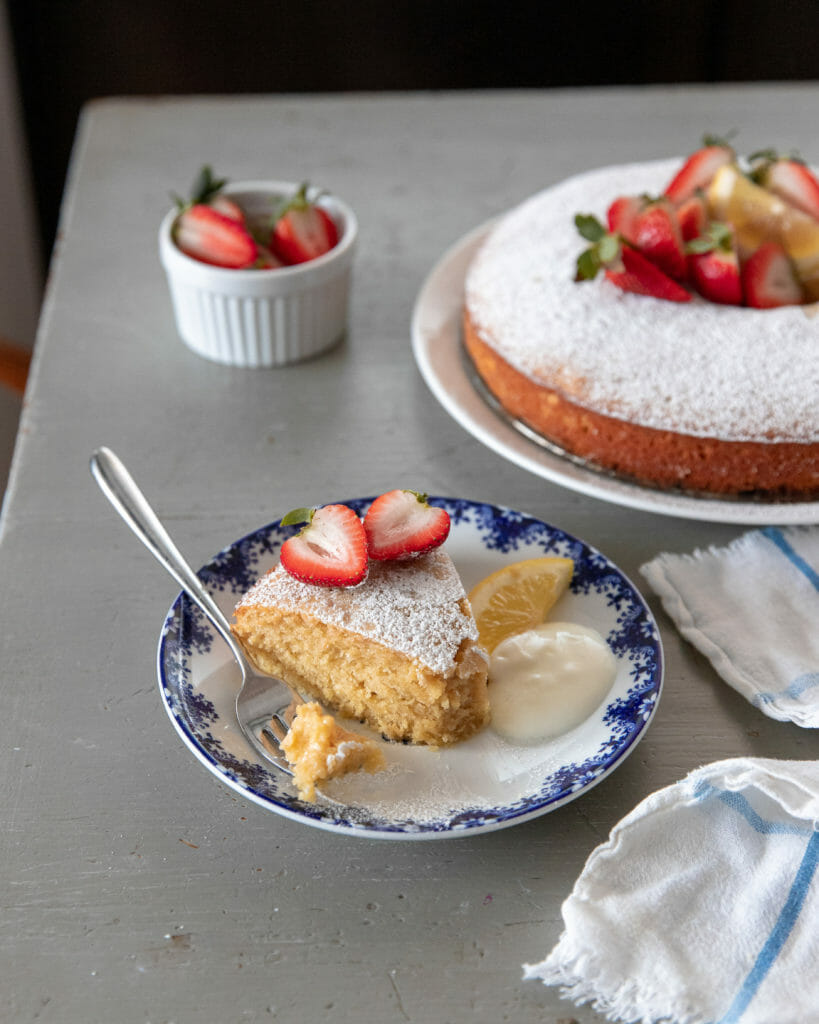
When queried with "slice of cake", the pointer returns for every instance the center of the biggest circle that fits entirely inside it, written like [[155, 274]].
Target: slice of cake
[[399, 651], [318, 749]]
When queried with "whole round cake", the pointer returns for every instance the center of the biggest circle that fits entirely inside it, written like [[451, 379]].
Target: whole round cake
[[694, 394]]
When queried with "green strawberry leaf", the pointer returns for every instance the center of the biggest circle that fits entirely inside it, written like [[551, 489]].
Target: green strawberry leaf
[[297, 516], [719, 236], [589, 227], [205, 187], [588, 263], [719, 140]]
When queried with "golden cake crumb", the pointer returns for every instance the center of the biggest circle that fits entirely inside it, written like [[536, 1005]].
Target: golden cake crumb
[[318, 749]]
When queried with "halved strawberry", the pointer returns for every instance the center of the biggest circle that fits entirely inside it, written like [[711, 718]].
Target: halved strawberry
[[789, 178], [640, 275], [622, 216], [698, 170], [330, 551], [624, 266], [692, 216], [303, 230], [400, 524], [208, 190], [657, 235], [714, 266], [769, 280], [211, 237]]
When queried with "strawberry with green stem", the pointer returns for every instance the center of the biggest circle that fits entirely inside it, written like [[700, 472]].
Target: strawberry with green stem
[[714, 265], [211, 228], [302, 229], [402, 523], [656, 233], [209, 190], [624, 266], [330, 550]]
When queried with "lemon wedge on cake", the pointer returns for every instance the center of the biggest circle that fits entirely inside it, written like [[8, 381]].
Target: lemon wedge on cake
[[759, 216]]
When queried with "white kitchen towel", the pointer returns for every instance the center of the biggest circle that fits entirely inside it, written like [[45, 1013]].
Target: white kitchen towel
[[703, 906], [753, 609]]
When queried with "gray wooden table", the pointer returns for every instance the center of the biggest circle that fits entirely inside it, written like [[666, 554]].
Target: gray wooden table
[[135, 886]]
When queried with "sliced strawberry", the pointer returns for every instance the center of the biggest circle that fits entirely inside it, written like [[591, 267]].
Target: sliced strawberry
[[698, 170], [330, 551], [640, 275], [400, 524], [714, 266], [624, 266], [658, 237], [303, 230], [211, 237], [769, 280], [692, 216], [622, 216], [789, 178]]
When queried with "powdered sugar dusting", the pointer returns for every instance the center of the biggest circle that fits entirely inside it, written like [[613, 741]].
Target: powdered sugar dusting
[[411, 606], [697, 368], [345, 749]]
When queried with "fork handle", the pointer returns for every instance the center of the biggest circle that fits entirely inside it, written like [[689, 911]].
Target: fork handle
[[119, 487]]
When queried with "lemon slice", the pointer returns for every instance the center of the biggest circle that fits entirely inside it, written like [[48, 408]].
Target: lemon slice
[[758, 216], [518, 597]]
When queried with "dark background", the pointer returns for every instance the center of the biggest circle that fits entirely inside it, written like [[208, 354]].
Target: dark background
[[70, 51]]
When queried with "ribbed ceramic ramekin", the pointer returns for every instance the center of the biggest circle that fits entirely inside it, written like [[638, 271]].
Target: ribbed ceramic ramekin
[[259, 318]]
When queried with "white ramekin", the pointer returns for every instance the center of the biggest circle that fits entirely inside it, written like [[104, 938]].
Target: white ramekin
[[259, 318]]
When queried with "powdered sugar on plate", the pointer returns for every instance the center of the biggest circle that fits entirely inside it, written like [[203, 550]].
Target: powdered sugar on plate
[[698, 368]]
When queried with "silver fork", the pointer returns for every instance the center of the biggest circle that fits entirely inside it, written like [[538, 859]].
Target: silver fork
[[264, 705]]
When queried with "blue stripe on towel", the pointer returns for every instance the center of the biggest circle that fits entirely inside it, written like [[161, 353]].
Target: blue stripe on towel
[[794, 690], [779, 933], [778, 538], [740, 804]]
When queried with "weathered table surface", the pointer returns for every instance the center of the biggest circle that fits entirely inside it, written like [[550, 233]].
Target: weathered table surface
[[135, 886]]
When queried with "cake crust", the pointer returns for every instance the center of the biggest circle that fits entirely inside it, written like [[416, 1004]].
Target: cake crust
[[648, 455]]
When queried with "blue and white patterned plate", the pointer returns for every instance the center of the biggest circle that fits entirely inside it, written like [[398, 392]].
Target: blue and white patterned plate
[[483, 784]]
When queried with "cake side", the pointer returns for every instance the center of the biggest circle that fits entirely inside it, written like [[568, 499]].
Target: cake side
[[648, 455]]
